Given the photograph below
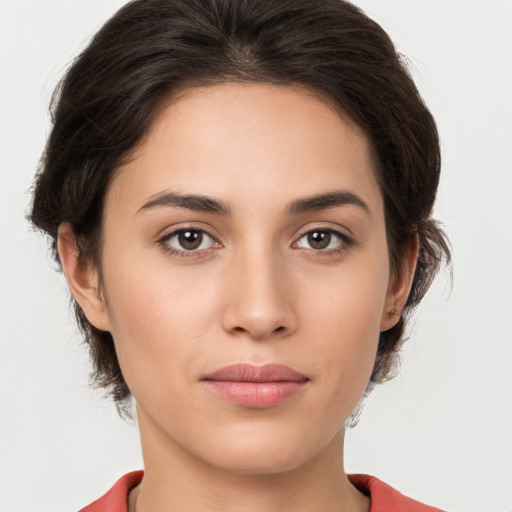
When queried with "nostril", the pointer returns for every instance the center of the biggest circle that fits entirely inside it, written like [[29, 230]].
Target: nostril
[[242, 330]]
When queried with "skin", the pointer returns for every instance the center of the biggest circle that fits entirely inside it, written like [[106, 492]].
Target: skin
[[256, 291]]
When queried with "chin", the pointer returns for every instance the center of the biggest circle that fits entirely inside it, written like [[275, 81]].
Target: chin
[[268, 453], [260, 462]]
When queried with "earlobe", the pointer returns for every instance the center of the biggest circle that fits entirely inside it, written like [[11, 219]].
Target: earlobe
[[400, 287], [82, 278]]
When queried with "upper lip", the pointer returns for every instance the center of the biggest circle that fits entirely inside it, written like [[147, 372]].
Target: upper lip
[[252, 373]]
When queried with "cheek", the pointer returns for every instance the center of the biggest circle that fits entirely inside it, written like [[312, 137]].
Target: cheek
[[350, 300], [158, 316], [343, 318]]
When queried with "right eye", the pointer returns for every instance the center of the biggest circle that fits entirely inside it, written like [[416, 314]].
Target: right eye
[[188, 240]]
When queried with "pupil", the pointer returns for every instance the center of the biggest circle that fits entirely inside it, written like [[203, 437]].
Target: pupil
[[190, 240], [319, 239]]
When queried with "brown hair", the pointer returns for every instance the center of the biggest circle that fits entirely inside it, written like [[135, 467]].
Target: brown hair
[[151, 48]]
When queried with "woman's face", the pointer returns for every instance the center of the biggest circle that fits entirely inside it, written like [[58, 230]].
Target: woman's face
[[247, 230]]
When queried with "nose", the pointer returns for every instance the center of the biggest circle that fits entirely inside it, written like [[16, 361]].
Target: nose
[[259, 302]]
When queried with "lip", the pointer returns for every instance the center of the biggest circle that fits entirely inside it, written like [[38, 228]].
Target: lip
[[256, 387]]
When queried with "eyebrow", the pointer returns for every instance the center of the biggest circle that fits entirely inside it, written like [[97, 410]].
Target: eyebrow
[[210, 205], [189, 201], [327, 200]]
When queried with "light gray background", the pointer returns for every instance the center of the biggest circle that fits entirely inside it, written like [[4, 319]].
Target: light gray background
[[440, 432]]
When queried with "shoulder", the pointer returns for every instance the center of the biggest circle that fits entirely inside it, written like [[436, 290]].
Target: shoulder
[[384, 498], [116, 500]]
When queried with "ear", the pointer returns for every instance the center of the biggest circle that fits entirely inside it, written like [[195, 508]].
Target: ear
[[400, 286], [82, 278]]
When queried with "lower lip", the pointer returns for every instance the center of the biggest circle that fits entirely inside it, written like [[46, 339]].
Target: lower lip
[[256, 395]]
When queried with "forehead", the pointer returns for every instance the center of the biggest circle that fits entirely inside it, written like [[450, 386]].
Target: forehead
[[249, 140]]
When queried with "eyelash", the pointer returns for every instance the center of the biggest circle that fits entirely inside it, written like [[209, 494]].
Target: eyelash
[[344, 242], [184, 253]]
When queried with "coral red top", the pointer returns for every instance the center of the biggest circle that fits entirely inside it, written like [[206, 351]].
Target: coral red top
[[383, 497]]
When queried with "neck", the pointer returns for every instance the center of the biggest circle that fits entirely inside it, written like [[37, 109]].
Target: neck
[[178, 480]]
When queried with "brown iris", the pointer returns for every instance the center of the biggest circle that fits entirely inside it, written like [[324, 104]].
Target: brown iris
[[189, 239], [319, 239]]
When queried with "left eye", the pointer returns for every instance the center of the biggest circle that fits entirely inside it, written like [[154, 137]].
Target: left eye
[[189, 240], [321, 239]]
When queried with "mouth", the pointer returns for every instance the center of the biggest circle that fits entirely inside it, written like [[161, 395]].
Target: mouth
[[256, 387]]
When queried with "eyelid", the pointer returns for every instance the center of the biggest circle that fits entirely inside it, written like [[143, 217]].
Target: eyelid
[[346, 241], [169, 229], [175, 230]]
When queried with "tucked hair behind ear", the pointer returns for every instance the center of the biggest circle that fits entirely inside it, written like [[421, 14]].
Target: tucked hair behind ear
[[151, 49]]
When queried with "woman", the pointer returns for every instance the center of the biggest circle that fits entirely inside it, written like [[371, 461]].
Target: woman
[[240, 196]]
